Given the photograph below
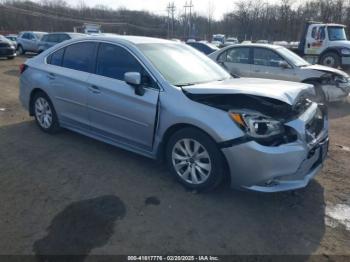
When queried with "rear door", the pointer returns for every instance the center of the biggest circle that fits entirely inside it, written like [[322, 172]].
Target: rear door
[[237, 61], [116, 112], [266, 64], [68, 73]]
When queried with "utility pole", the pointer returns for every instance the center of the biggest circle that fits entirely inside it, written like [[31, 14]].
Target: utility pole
[[190, 6], [168, 10], [171, 13]]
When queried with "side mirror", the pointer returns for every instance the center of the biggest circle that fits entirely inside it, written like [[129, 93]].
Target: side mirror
[[284, 64], [134, 79]]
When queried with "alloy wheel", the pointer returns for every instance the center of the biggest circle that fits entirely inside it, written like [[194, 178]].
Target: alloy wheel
[[43, 112], [191, 161]]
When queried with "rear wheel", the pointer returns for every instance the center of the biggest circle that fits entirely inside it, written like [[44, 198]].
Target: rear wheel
[[194, 159], [331, 59], [45, 114]]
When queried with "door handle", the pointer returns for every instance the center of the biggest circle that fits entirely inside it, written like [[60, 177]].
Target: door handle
[[256, 71], [94, 89], [51, 76]]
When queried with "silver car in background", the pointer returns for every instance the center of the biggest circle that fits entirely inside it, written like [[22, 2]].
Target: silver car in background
[[52, 39], [277, 62], [137, 93], [29, 41]]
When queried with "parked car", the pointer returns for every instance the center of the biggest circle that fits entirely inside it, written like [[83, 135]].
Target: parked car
[[161, 99], [12, 38], [276, 62], [231, 41], [29, 41], [51, 39], [7, 48], [203, 47]]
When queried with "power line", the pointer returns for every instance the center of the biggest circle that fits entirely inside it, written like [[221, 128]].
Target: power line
[[189, 6], [171, 12]]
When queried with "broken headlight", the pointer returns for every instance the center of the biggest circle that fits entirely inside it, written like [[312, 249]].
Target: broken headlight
[[257, 125]]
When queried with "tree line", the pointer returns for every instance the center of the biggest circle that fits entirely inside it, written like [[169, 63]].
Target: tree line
[[247, 20]]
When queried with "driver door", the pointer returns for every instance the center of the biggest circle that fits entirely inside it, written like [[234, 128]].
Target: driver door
[[115, 111]]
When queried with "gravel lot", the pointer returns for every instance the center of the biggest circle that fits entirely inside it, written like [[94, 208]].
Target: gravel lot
[[68, 194]]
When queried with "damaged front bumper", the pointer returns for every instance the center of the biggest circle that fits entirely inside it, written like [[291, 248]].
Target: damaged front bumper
[[285, 167]]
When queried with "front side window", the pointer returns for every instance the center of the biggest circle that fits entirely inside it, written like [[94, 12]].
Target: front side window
[[180, 65], [266, 57], [114, 61], [238, 55], [79, 56]]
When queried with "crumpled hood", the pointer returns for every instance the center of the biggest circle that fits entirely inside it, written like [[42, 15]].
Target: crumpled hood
[[285, 91], [327, 69]]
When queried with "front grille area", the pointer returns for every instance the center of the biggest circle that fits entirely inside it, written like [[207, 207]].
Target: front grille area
[[4, 45], [315, 126]]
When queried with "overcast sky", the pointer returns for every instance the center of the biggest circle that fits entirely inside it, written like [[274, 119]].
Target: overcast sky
[[159, 6]]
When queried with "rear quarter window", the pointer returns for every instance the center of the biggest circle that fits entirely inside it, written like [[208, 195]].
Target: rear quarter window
[[56, 58]]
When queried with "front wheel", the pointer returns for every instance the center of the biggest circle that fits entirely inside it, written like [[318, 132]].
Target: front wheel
[[331, 59], [20, 50], [194, 159], [45, 114], [320, 96]]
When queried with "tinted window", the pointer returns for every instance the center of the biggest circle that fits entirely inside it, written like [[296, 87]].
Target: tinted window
[[45, 38], [25, 36], [79, 56], [56, 58], [62, 37], [114, 61], [52, 38], [238, 55], [266, 57]]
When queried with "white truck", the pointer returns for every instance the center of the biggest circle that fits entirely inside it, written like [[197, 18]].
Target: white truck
[[325, 44], [87, 28]]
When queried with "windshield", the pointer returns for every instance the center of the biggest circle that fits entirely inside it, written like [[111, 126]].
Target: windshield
[[292, 57], [181, 65], [336, 33]]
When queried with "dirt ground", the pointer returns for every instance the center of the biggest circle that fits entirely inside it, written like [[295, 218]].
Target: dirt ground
[[67, 193]]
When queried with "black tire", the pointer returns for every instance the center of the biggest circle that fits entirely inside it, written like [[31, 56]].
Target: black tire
[[331, 59], [217, 163], [20, 50], [10, 57], [54, 126], [320, 96]]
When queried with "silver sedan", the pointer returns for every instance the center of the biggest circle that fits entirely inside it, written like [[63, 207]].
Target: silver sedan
[[163, 99], [277, 62]]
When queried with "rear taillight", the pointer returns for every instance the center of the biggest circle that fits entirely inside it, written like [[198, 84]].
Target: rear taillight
[[22, 68]]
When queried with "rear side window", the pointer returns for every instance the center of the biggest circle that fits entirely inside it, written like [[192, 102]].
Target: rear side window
[[62, 37], [79, 56], [56, 58], [114, 61]]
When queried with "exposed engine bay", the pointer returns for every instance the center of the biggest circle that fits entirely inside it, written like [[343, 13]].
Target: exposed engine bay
[[262, 108]]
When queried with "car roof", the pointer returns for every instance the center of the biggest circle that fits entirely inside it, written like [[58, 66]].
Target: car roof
[[257, 45], [131, 39]]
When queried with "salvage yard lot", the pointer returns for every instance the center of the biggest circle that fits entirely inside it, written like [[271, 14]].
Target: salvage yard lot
[[67, 193]]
